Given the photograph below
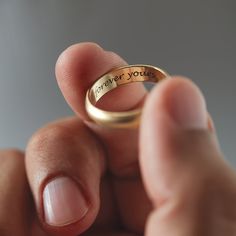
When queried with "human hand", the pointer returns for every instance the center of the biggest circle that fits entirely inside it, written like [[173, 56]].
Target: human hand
[[169, 179]]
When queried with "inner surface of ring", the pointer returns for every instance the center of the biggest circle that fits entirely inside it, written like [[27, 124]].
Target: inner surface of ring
[[122, 76]]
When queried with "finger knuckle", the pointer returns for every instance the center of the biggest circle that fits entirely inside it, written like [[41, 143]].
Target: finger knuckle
[[52, 136]]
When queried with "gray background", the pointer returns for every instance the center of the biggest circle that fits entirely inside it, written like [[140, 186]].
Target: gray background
[[193, 38]]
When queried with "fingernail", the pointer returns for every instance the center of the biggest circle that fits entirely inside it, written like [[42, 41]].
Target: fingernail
[[63, 202], [187, 106]]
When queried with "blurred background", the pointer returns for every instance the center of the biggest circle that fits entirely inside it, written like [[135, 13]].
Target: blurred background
[[188, 37]]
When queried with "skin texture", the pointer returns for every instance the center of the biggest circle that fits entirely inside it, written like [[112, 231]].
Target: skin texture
[[168, 177]]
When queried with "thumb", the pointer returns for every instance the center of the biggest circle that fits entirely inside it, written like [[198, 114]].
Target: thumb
[[191, 187]]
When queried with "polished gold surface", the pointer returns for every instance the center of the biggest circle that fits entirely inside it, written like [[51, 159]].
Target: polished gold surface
[[113, 79]]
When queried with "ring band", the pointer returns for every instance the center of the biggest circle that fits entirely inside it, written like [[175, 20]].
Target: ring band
[[113, 79]]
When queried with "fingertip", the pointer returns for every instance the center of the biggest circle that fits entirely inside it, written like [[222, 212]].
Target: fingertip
[[162, 93], [160, 96], [66, 59], [78, 67], [78, 58]]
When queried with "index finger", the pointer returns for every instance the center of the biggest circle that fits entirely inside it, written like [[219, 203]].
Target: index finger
[[76, 69]]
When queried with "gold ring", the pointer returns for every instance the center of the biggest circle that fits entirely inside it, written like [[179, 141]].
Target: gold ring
[[111, 80]]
